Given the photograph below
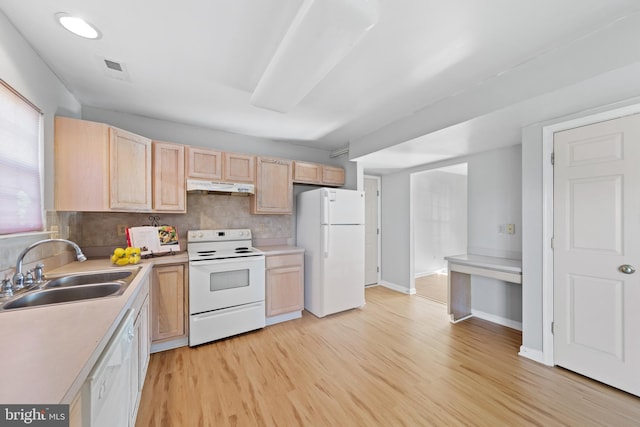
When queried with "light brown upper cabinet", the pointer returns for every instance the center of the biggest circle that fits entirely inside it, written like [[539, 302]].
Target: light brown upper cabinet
[[332, 175], [274, 186], [204, 163], [214, 165], [100, 168], [238, 167], [169, 191], [314, 173]]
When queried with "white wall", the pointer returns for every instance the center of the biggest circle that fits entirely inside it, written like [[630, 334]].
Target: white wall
[[494, 198], [439, 200]]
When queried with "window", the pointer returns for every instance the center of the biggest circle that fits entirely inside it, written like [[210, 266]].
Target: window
[[20, 195]]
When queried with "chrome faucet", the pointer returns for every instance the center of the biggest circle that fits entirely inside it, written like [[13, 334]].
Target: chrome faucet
[[18, 277]]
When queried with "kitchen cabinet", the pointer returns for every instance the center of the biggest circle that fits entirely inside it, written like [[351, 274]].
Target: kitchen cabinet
[[317, 174], [238, 167], [168, 303], [215, 165], [100, 168], [204, 163], [274, 186], [332, 175], [284, 284], [141, 350], [169, 190]]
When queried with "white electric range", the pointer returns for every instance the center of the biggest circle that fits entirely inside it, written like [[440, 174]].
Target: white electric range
[[226, 284]]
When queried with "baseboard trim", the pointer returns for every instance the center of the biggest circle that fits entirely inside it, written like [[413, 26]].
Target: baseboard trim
[[442, 271], [169, 345], [535, 355], [497, 319], [397, 288], [283, 318]]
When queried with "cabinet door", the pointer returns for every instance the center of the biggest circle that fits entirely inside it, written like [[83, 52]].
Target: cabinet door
[[169, 191], [144, 343], [274, 187], [81, 160], [239, 167], [167, 302], [130, 170], [332, 175], [203, 163], [284, 291], [307, 173]]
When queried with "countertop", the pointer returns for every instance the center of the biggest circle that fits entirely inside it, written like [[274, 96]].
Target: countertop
[[47, 352], [488, 262], [280, 249]]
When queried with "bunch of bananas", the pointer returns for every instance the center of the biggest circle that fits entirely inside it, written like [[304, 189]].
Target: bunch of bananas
[[125, 256]]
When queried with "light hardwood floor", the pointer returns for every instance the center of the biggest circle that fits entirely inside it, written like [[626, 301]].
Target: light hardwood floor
[[395, 362], [433, 287]]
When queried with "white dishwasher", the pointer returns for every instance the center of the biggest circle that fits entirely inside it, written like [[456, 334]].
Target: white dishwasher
[[106, 391]]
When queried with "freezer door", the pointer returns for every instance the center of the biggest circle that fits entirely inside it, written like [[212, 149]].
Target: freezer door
[[342, 270], [342, 206]]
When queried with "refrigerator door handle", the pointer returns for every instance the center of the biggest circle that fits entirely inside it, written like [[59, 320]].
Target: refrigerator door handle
[[325, 240]]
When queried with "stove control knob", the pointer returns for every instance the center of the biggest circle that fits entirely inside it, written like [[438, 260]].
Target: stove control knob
[[201, 235]]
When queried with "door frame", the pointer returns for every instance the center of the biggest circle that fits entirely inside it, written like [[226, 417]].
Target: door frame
[[547, 218], [379, 225]]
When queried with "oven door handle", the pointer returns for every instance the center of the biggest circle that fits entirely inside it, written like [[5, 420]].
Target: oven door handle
[[224, 261]]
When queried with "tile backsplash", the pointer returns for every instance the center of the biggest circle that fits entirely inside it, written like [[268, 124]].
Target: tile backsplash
[[97, 231]]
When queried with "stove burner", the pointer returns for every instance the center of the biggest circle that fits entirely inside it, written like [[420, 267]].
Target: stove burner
[[243, 248], [206, 252], [243, 251]]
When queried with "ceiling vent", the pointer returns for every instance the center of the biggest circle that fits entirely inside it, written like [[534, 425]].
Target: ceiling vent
[[114, 69], [112, 65]]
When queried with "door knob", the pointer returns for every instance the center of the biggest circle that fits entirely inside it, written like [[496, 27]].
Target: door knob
[[627, 269]]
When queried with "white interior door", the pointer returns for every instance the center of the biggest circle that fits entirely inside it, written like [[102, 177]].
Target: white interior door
[[597, 234], [371, 221]]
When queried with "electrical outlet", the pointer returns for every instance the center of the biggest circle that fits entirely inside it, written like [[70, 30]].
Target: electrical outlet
[[511, 229], [121, 230]]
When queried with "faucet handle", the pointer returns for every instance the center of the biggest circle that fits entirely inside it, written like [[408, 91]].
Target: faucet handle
[[6, 290], [18, 281], [28, 281], [39, 273]]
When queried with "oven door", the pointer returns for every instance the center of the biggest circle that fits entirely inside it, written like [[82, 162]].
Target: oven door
[[223, 283]]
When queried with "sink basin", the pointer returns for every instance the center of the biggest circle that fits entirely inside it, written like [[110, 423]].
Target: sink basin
[[90, 278], [74, 287], [67, 294]]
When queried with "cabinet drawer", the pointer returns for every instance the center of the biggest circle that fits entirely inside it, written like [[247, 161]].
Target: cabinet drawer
[[276, 261]]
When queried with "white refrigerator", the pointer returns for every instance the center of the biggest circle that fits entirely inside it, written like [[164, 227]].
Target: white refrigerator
[[330, 227]]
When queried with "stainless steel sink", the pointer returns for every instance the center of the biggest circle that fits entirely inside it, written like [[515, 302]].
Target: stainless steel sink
[[90, 278], [74, 288], [60, 295]]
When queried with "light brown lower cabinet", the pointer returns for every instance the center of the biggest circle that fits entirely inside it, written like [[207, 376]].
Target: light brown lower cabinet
[[284, 284], [168, 302]]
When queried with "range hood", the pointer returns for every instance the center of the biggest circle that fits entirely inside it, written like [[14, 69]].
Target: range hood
[[197, 185]]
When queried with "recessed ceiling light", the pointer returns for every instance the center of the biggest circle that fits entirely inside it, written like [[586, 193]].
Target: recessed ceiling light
[[78, 26]]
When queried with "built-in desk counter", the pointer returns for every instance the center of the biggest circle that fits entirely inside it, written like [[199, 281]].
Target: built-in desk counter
[[461, 267]]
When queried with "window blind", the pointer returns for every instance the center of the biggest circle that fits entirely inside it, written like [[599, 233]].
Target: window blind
[[20, 194]]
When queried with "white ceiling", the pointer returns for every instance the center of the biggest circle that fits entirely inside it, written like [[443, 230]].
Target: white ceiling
[[198, 62]]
